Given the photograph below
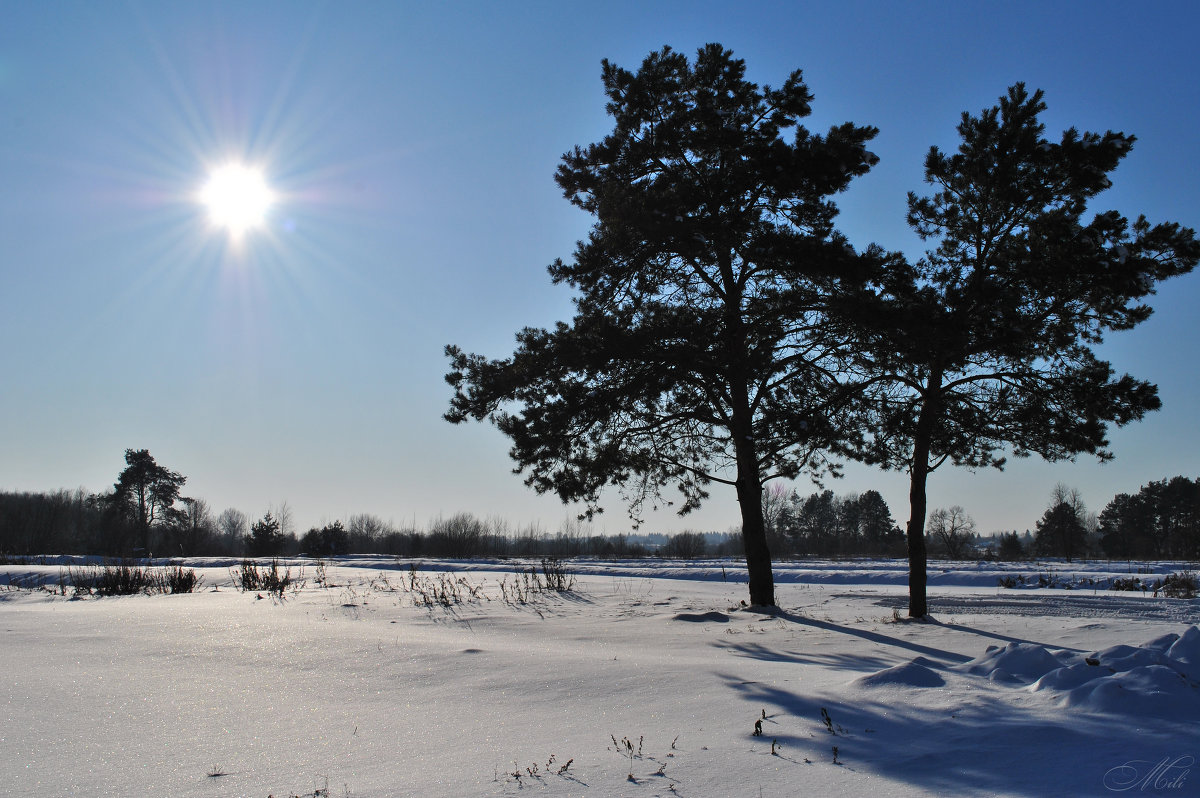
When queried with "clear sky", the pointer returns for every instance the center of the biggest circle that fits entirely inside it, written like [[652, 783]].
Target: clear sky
[[412, 148]]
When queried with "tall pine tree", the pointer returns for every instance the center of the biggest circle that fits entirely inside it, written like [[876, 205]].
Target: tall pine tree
[[698, 352], [985, 345], [146, 493]]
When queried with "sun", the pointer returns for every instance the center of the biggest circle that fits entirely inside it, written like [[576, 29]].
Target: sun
[[237, 197]]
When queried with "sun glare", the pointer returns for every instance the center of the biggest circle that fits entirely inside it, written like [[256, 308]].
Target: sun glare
[[237, 197]]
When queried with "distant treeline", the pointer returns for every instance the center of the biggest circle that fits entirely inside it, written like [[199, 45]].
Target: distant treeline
[[76, 522], [1160, 521], [144, 515], [825, 525]]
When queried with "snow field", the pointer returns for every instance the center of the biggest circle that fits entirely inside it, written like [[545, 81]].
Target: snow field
[[348, 687]]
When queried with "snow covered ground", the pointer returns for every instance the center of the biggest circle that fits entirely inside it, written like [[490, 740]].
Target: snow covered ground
[[648, 679]]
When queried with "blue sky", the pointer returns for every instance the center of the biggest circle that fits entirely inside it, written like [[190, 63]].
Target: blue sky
[[413, 147]]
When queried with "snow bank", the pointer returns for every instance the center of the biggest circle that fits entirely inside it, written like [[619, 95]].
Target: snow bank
[[916, 673], [1159, 678], [1186, 651], [1154, 690], [1016, 662]]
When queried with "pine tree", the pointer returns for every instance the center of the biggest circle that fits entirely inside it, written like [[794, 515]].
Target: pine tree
[[266, 537], [878, 528], [986, 344], [698, 352], [1010, 547], [1061, 533], [146, 493]]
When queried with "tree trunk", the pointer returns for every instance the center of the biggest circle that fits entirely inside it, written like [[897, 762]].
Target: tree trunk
[[741, 428], [144, 519], [750, 499], [754, 539], [918, 603]]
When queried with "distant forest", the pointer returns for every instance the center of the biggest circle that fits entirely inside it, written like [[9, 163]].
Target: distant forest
[[145, 514]]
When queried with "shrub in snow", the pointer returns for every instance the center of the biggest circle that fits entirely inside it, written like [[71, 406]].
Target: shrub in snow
[[558, 578], [1180, 585], [250, 577], [553, 577], [181, 580], [442, 590], [626, 749], [124, 579]]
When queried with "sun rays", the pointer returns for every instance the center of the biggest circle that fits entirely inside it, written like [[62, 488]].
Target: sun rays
[[237, 198]]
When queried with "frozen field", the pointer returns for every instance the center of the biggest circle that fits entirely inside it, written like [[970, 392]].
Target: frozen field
[[346, 688]]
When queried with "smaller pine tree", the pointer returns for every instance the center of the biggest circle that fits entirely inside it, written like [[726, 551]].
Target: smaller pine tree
[[1010, 547], [1061, 533], [265, 538]]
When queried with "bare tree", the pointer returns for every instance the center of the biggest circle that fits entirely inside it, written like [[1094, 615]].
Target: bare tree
[[776, 502], [954, 529], [233, 526], [1065, 494], [196, 527], [287, 522], [366, 532]]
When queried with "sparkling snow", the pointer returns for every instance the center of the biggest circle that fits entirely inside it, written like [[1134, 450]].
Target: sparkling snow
[[347, 688]]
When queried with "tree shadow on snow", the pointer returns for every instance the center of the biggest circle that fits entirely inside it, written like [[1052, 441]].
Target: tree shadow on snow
[[772, 653], [958, 627], [954, 740], [877, 638]]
